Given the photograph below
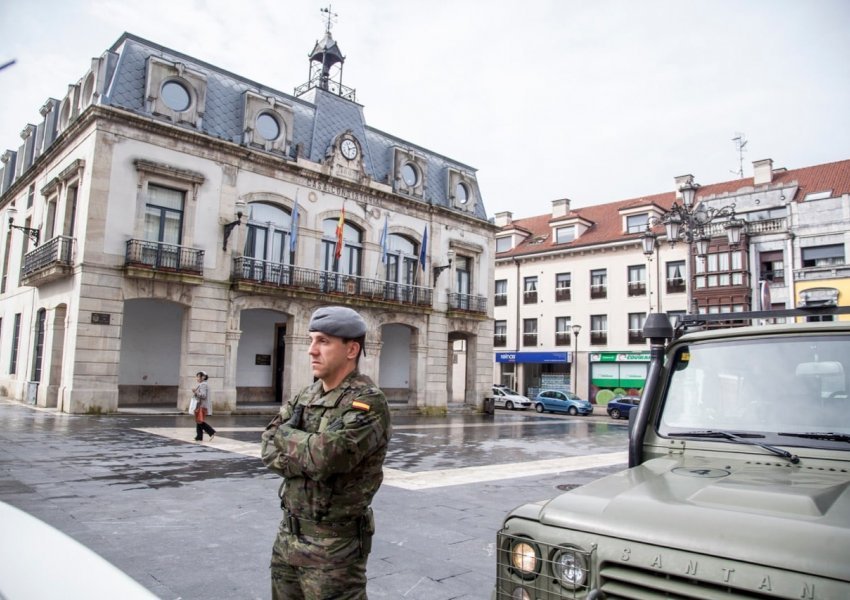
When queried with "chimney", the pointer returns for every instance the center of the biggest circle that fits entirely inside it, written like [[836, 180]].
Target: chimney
[[503, 219], [681, 180], [762, 171], [560, 208]]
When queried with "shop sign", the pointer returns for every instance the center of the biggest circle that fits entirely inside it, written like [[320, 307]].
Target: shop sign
[[531, 357], [619, 357]]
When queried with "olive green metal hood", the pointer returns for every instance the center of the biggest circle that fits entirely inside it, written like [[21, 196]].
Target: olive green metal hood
[[732, 509]]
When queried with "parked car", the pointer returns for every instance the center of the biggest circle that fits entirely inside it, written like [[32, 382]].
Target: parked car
[[621, 406], [505, 397], [557, 401]]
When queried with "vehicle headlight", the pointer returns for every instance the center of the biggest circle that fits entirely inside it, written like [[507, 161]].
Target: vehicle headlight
[[520, 594], [524, 558], [570, 568]]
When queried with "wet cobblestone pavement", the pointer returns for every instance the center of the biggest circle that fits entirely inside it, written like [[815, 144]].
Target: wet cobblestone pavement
[[197, 521]]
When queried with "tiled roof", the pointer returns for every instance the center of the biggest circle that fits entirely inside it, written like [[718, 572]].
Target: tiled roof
[[607, 223]]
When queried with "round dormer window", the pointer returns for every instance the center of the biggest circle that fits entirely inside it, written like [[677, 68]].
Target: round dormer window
[[176, 96], [462, 193], [409, 175], [268, 127]]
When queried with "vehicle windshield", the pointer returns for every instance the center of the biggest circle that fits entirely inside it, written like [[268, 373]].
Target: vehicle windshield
[[770, 386], [508, 391]]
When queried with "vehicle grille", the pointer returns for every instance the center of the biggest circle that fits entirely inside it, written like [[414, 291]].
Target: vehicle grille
[[618, 582], [542, 583]]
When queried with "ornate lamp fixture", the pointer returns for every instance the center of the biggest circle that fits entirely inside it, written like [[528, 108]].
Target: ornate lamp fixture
[[685, 223]]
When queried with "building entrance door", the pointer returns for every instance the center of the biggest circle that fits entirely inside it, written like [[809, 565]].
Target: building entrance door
[[279, 354]]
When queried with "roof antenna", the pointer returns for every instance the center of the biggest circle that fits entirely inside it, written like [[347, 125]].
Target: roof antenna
[[740, 145], [329, 18]]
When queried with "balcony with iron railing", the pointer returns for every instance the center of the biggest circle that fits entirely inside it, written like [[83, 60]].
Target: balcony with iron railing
[[529, 339], [500, 340], [468, 303], [562, 338], [599, 290], [51, 261], [157, 260], [676, 285], [249, 274], [637, 288], [562, 294], [500, 300], [598, 338], [636, 336]]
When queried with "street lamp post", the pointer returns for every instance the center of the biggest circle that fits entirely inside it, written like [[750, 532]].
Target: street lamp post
[[689, 222], [576, 329]]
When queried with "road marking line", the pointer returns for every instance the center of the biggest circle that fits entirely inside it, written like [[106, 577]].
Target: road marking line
[[424, 479], [465, 475]]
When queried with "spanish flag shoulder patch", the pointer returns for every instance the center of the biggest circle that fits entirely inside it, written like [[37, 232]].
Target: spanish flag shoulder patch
[[360, 405]]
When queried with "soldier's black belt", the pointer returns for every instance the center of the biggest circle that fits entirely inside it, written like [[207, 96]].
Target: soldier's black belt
[[301, 526]]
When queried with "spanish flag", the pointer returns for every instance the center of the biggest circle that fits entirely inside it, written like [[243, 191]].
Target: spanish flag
[[340, 226]]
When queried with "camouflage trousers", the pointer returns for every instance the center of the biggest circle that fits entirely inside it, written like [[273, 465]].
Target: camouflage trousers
[[317, 568]]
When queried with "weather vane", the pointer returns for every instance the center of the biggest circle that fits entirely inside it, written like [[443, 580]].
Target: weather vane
[[329, 18]]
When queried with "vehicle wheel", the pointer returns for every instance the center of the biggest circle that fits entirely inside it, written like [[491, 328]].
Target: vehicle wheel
[[615, 414], [573, 411], [538, 407], [509, 405]]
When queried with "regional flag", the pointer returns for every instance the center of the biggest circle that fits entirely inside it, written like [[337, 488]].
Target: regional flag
[[384, 240], [293, 230], [340, 227], [423, 252]]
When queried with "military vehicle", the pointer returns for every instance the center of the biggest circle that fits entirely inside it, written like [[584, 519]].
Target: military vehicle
[[738, 483]]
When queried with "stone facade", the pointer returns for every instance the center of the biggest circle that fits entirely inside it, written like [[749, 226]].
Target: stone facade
[[166, 244]]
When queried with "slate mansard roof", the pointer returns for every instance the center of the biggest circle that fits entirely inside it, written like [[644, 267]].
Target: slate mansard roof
[[316, 124]]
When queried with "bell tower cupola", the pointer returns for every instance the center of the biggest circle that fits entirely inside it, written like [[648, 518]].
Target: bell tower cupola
[[326, 62]]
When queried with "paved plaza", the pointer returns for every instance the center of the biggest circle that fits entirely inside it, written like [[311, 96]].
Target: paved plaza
[[197, 521]]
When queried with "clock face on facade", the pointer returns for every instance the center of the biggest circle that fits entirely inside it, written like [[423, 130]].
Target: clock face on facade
[[348, 149]]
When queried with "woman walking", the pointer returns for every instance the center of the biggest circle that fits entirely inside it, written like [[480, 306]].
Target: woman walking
[[201, 395]]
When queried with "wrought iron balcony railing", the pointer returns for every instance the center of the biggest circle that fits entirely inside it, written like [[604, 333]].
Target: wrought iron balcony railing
[[467, 302], [637, 288], [253, 270], [676, 285], [56, 253], [164, 257]]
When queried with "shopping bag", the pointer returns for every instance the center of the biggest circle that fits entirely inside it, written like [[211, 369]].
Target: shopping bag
[[193, 404]]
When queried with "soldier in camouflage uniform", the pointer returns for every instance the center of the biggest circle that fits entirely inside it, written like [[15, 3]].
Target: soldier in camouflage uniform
[[329, 445]]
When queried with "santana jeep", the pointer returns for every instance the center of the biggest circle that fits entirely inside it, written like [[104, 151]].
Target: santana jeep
[[738, 483]]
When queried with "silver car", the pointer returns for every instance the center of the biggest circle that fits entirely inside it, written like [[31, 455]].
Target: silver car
[[505, 397]]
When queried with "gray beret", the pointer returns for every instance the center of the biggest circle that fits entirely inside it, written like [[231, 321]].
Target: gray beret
[[338, 321]]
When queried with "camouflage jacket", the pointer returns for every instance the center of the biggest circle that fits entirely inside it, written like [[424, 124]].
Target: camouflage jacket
[[332, 460]]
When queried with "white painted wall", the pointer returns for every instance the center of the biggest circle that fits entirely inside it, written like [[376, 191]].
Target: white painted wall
[[258, 337], [395, 357], [150, 343]]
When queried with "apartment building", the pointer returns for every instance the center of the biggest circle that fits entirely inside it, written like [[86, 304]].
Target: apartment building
[[167, 216], [573, 287]]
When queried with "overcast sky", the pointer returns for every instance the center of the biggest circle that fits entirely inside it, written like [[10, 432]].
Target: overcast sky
[[592, 100]]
